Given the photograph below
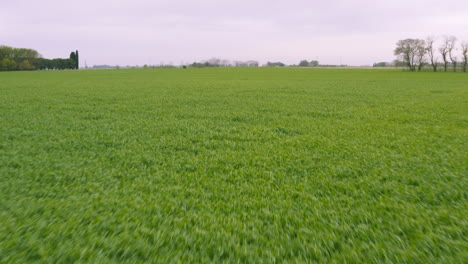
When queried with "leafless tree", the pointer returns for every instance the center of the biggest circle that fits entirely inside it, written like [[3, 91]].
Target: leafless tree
[[444, 50], [464, 49], [249, 63], [431, 52], [225, 63], [451, 48], [214, 61], [407, 49], [252, 63], [420, 53]]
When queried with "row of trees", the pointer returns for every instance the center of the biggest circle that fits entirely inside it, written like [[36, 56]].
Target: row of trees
[[395, 63], [314, 63], [275, 64], [416, 53], [215, 62], [12, 59], [20, 59], [305, 63]]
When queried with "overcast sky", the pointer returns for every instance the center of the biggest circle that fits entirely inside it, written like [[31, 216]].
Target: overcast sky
[[137, 32]]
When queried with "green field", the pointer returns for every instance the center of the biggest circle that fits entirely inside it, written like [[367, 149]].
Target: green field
[[233, 165]]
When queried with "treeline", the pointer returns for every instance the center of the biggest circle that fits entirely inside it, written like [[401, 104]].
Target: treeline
[[215, 63], [395, 63], [305, 63], [20, 59], [447, 54]]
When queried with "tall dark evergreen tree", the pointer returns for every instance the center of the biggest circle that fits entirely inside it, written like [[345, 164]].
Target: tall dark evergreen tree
[[77, 60], [73, 58]]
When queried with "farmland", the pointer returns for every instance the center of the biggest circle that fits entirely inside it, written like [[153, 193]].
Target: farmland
[[248, 165]]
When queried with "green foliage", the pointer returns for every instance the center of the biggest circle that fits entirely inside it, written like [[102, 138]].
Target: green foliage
[[25, 66], [12, 59], [204, 65], [275, 64], [304, 63], [7, 64], [42, 64], [73, 58], [6, 52], [77, 60], [399, 63], [60, 64], [381, 64], [233, 165]]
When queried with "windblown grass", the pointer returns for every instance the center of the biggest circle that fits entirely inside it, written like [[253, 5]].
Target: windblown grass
[[233, 165]]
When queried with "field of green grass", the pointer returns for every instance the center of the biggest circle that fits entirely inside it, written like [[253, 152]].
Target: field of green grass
[[233, 165]]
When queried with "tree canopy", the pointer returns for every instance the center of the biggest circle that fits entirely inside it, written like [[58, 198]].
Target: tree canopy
[[21, 59]]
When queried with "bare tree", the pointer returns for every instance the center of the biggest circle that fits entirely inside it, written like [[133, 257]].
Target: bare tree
[[225, 63], [464, 48], [407, 49], [214, 61], [451, 48], [444, 50], [420, 53], [431, 52]]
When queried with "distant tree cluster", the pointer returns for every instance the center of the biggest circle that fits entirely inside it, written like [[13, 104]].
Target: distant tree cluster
[[382, 64], [215, 63], [74, 56], [249, 64], [305, 63], [416, 53], [275, 64], [13, 59], [395, 63], [211, 63], [204, 65], [165, 66], [20, 59]]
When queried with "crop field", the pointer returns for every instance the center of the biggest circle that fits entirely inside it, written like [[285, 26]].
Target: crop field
[[233, 165]]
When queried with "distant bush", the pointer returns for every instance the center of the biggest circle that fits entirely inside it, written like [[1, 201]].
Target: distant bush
[[275, 64]]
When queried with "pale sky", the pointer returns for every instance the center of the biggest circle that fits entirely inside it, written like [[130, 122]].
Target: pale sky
[[137, 32]]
